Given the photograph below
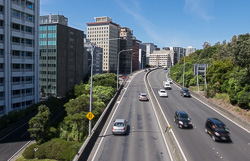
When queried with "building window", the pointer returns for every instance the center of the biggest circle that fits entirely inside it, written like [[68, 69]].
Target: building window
[[51, 27], [43, 28], [42, 43], [51, 42], [15, 13], [52, 35], [29, 5]]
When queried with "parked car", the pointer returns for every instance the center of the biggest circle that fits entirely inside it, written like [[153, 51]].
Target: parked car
[[217, 130], [185, 92], [162, 93], [182, 119], [143, 97], [166, 85], [170, 80], [119, 126]]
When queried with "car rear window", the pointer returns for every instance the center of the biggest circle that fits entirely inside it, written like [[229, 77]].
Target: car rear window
[[119, 124]]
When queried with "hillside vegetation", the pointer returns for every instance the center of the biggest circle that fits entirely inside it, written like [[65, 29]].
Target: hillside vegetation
[[228, 72]]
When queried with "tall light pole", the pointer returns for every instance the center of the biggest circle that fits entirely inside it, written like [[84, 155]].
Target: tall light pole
[[184, 73], [91, 79], [117, 81]]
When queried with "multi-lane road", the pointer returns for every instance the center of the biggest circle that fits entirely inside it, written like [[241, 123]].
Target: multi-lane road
[[144, 140], [195, 143]]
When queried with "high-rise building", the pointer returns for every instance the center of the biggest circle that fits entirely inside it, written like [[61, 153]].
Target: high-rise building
[[125, 57], [178, 53], [19, 50], [105, 33], [190, 50], [135, 54], [149, 50], [142, 56], [61, 56]]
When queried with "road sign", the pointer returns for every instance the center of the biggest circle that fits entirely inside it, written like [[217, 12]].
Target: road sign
[[90, 116]]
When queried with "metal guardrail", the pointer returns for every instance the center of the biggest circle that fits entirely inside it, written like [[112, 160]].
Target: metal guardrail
[[89, 143]]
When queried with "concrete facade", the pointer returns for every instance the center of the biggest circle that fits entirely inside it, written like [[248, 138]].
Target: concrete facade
[[61, 56], [105, 33], [160, 58], [19, 50]]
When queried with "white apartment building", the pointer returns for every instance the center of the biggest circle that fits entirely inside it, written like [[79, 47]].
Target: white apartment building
[[19, 54], [104, 33], [160, 58], [190, 50]]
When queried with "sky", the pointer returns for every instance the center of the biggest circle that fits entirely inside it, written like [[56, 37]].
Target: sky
[[177, 23]]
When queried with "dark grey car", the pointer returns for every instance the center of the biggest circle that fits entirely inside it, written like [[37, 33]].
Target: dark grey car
[[185, 92]]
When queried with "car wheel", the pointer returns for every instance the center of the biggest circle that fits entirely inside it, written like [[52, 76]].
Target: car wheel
[[205, 130], [213, 137]]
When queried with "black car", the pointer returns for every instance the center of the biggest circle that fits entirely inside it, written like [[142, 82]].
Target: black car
[[217, 130], [182, 120], [185, 92]]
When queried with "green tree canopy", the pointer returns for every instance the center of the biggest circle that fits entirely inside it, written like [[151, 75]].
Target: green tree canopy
[[39, 125]]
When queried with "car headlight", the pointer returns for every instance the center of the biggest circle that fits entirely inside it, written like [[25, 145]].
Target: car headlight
[[180, 122], [217, 134]]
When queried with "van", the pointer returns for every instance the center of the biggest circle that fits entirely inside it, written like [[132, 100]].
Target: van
[[166, 85]]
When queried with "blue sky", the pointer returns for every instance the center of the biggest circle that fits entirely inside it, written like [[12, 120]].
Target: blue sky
[[175, 23]]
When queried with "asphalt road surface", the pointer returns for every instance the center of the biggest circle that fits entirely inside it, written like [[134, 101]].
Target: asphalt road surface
[[144, 140], [195, 143]]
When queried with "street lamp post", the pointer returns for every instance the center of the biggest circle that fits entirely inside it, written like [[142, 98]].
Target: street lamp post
[[184, 73], [91, 79], [117, 81]]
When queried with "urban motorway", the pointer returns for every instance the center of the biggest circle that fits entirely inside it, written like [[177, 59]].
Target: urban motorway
[[195, 143], [144, 140]]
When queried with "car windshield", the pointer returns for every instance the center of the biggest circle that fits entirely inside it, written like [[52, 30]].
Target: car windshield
[[119, 124], [143, 94], [185, 90], [184, 117], [163, 91]]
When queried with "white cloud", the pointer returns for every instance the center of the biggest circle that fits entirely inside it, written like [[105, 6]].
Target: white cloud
[[199, 8]]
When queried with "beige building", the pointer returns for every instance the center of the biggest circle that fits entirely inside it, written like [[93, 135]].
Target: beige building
[[160, 58], [105, 33]]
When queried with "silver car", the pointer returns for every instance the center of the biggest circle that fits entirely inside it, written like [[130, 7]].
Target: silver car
[[119, 127]]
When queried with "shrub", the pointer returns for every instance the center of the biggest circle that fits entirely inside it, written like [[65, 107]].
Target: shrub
[[58, 149], [243, 99], [29, 152]]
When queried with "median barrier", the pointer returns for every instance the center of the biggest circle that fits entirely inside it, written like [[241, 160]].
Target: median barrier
[[175, 151]]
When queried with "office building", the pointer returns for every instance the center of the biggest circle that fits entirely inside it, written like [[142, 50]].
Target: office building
[[61, 56], [19, 83], [149, 50], [125, 58], [160, 58], [142, 56], [97, 57], [105, 33], [135, 54]]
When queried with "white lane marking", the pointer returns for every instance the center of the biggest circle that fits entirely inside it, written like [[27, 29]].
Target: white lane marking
[[171, 158], [99, 145], [19, 151], [222, 115], [218, 112], [169, 126]]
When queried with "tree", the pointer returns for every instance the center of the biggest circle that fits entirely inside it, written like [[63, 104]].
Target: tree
[[206, 45], [39, 125], [242, 52]]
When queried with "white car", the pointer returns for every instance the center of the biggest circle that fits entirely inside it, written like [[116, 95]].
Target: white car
[[162, 93], [170, 80]]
